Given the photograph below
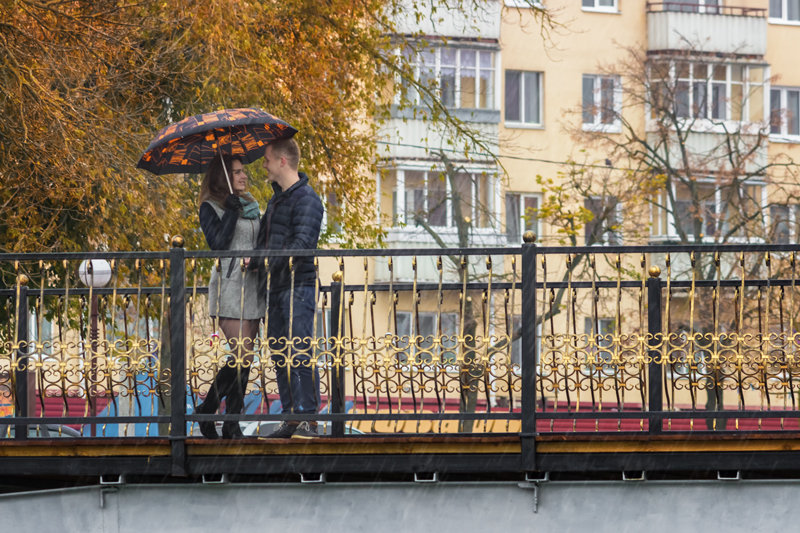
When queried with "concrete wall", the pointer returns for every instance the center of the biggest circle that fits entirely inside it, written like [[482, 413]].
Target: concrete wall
[[444, 507]]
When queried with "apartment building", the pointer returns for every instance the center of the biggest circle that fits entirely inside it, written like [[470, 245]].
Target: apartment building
[[709, 86], [728, 69], [540, 101]]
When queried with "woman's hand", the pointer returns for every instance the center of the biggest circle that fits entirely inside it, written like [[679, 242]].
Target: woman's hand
[[232, 203]]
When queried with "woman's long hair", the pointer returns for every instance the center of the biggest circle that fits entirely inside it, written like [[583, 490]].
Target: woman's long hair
[[215, 186]]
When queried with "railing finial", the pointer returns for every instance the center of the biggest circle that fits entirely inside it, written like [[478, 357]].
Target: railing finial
[[177, 241], [529, 237], [654, 271], [23, 279]]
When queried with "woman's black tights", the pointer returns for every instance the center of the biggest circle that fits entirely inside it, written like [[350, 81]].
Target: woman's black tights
[[231, 379]]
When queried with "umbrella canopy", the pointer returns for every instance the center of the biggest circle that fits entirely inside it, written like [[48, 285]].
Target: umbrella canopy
[[189, 146]]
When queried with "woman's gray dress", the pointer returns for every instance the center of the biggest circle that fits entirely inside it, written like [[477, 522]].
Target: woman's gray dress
[[227, 300]]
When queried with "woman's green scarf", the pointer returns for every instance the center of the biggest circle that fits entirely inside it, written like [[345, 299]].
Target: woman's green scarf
[[249, 208]]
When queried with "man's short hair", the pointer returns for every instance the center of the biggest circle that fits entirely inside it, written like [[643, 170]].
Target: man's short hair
[[289, 149]]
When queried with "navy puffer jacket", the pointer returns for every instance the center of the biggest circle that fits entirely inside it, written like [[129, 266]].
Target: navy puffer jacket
[[291, 222]]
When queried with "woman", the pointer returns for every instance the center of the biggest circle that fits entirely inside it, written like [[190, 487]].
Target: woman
[[230, 222]]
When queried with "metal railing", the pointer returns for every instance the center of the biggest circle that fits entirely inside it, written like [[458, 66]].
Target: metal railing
[[689, 7], [530, 341]]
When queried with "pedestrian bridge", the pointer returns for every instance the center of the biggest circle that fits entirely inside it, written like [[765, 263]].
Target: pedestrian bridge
[[524, 368]]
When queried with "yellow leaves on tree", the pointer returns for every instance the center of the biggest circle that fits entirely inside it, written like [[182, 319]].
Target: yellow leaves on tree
[[84, 86]]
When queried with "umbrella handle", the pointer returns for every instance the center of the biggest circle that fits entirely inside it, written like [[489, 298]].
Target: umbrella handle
[[224, 169]]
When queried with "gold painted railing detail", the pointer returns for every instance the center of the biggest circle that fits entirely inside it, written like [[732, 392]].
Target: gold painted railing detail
[[422, 335]]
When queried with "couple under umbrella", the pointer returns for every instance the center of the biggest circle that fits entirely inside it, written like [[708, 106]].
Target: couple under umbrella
[[220, 144]]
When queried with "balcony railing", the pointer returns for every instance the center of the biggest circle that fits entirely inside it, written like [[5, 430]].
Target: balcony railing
[[520, 346], [685, 27], [694, 7]]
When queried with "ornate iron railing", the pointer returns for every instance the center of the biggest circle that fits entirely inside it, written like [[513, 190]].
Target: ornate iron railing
[[520, 342]]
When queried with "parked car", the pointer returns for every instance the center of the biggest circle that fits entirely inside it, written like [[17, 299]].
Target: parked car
[[263, 429], [40, 431]]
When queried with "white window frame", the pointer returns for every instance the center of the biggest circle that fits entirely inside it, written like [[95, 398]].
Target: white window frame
[[709, 83], [491, 77], [402, 216], [601, 9], [336, 235], [523, 218], [708, 123], [523, 98], [597, 124], [719, 213], [783, 135], [784, 16]]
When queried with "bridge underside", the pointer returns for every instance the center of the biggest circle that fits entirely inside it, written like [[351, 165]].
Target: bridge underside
[[44, 463]]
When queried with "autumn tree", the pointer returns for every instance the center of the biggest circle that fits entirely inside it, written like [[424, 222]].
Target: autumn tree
[[85, 85]]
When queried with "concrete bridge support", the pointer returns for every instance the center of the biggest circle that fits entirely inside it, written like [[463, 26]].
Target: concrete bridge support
[[652, 506]]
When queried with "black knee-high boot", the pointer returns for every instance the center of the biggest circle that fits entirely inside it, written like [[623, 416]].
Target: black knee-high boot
[[218, 390], [234, 404]]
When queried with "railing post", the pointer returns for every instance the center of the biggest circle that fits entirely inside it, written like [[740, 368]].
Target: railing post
[[528, 433], [655, 368], [337, 380], [22, 404], [177, 335]]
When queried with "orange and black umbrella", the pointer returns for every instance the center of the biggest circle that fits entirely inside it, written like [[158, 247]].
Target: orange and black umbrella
[[190, 145]]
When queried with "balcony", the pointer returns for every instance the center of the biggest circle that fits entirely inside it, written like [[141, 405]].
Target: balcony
[[580, 360], [688, 27]]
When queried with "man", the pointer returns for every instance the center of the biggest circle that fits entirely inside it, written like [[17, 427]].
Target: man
[[291, 222]]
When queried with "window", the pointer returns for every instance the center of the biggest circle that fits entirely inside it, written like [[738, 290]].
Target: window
[[692, 6], [702, 91], [693, 88], [604, 227], [689, 209], [784, 10], [724, 212], [333, 221], [427, 327], [601, 101], [784, 106], [600, 5], [785, 222], [429, 198], [601, 330], [462, 77], [742, 211], [716, 91], [523, 97], [521, 216], [516, 344], [323, 331]]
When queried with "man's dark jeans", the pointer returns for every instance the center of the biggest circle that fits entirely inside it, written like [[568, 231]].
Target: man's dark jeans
[[298, 379]]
